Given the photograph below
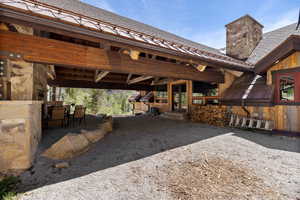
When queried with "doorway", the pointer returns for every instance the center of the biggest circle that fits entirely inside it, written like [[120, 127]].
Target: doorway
[[179, 98]]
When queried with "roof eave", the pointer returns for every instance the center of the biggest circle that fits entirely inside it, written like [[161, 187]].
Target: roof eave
[[31, 18], [290, 45]]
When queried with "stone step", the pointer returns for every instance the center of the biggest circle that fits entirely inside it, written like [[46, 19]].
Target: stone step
[[175, 115]]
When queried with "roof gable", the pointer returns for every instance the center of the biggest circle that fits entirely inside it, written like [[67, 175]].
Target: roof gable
[[270, 41]]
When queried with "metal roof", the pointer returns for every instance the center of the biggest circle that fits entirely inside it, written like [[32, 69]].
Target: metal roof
[[92, 17], [270, 41], [99, 19]]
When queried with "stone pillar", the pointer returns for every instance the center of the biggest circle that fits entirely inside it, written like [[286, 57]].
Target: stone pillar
[[21, 112], [20, 133]]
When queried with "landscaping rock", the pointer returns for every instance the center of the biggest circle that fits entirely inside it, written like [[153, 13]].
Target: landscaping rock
[[95, 136], [73, 145], [68, 147], [62, 165]]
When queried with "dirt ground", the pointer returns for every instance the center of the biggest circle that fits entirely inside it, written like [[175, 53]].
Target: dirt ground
[[153, 158]]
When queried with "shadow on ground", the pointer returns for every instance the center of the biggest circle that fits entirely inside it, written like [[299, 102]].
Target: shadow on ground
[[268, 140], [133, 138]]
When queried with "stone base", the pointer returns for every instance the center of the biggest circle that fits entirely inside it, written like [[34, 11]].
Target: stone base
[[20, 134]]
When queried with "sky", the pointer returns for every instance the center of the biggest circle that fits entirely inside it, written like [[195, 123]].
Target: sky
[[203, 21]]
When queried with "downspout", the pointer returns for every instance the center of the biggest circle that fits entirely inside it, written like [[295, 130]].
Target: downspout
[[247, 92]]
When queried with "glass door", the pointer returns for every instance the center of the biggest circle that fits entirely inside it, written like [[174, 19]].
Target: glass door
[[179, 98]]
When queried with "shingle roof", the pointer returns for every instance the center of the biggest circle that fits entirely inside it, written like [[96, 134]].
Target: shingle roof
[[270, 41]]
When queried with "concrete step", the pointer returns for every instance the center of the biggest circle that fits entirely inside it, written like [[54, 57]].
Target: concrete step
[[175, 115]]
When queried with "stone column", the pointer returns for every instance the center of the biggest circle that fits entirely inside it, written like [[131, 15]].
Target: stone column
[[20, 134], [20, 114]]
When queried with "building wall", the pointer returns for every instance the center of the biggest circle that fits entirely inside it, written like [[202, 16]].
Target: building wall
[[285, 117]]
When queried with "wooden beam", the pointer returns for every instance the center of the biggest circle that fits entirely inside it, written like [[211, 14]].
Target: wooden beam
[[162, 81], [48, 51], [139, 79], [102, 85], [100, 75]]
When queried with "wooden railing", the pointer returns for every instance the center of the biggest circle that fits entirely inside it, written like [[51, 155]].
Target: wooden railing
[[161, 99], [204, 99]]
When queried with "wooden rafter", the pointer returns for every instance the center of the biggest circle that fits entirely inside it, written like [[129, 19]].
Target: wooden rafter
[[100, 75], [129, 77], [139, 79], [48, 51], [162, 81], [102, 85]]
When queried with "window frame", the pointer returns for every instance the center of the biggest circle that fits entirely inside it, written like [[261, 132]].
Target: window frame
[[295, 73]]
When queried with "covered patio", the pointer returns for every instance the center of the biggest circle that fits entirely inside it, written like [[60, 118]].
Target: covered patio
[[46, 45], [131, 161]]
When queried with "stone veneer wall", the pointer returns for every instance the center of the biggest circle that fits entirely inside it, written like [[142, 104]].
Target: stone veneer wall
[[243, 35], [20, 133]]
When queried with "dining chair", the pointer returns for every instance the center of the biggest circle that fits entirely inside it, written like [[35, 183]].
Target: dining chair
[[58, 114], [79, 115]]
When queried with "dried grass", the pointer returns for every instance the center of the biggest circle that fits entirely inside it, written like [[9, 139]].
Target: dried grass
[[214, 179]]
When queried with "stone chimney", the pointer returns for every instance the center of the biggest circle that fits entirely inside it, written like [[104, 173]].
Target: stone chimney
[[242, 36]]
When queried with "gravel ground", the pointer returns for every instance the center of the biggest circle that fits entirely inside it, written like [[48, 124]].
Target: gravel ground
[[121, 166]]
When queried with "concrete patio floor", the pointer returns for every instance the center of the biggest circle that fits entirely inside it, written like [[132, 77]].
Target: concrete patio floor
[[118, 166]]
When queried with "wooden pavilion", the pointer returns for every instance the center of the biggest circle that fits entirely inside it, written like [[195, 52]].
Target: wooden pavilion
[[67, 43]]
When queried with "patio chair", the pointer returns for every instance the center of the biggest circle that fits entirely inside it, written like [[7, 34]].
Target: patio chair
[[58, 114], [67, 113], [79, 115]]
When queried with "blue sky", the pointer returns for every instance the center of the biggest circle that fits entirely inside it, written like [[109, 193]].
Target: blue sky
[[201, 20]]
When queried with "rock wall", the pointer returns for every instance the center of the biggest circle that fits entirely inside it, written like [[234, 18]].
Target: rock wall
[[20, 133], [243, 35]]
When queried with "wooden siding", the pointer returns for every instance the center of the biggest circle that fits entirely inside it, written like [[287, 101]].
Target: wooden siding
[[285, 117], [290, 62], [229, 78]]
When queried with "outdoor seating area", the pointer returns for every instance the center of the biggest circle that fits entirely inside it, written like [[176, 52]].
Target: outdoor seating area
[[56, 114]]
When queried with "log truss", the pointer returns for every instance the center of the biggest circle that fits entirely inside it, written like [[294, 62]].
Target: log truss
[[48, 51]]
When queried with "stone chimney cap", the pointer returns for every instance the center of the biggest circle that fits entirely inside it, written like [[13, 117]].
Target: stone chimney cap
[[245, 16]]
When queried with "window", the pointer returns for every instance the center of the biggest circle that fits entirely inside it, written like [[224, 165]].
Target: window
[[287, 87], [161, 94], [205, 93]]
